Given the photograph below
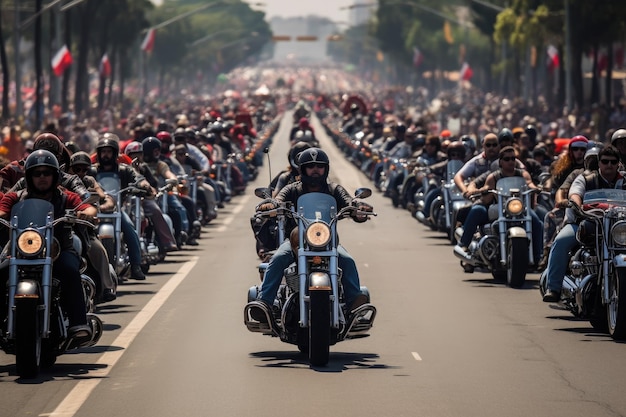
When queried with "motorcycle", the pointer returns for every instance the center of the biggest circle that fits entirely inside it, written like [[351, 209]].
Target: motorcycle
[[504, 245], [132, 205], [443, 210], [595, 287], [36, 327], [110, 227], [310, 310]]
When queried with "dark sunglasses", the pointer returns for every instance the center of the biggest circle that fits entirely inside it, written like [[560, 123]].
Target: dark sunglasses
[[579, 149], [609, 161], [45, 173], [80, 169], [490, 145], [507, 158], [316, 165], [456, 154]]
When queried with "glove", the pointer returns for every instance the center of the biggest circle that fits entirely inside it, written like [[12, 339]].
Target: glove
[[266, 205], [361, 206]]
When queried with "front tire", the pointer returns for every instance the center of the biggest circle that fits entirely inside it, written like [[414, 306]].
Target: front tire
[[27, 338], [319, 327], [517, 264], [616, 308]]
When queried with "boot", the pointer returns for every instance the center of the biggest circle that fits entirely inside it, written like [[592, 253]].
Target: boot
[[137, 273]]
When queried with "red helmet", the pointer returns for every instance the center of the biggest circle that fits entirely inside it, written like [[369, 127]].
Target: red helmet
[[164, 136]]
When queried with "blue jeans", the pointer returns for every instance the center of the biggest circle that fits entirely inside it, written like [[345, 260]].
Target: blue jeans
[[431, 196], [284, 256], [563, 243], [131, 239], [478, 216], [178, 211]]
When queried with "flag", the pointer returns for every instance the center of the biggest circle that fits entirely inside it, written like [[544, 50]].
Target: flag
[[105, 66], [148, 42], [466, 72], [61, 61], [418, 57], [447, 32], [553, 58]]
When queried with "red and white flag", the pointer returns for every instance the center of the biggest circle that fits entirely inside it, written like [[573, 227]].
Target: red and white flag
[[105, 66], [148, 42], [466, 72], [418, 57], [553, 58], [61, 61]]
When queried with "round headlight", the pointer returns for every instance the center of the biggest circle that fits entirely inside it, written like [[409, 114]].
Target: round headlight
[[618, 233], [30, 243], [318, 235], [514, 206]]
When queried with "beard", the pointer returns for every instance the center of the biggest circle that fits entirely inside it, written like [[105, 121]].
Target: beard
[[106, 161]]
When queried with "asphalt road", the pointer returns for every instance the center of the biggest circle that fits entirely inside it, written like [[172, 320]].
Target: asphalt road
[[444, 343]]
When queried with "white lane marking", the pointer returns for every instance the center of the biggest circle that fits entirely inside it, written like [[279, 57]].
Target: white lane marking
[[416, 356], [79, 394], [228, 220]]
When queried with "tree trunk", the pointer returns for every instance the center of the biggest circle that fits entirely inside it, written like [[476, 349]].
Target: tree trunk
[[594, 76], [608, 83]]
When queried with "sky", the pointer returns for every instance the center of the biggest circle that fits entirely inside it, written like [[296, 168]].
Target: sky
[[292, 8]]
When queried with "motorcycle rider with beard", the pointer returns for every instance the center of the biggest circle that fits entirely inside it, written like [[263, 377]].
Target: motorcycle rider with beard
[[107, 151], [314, 167]]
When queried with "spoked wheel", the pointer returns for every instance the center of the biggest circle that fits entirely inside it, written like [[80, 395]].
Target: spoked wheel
[[616, 308], [319, 327], [27, 337], [517, 253]]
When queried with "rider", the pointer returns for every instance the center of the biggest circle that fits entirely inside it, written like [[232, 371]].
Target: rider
[[314, 166], [607, 176], [42, 177], [107, 152]]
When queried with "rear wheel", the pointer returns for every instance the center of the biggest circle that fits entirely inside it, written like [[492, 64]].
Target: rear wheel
[[517, 262], [27, 337], [616, 308], [319, 327]]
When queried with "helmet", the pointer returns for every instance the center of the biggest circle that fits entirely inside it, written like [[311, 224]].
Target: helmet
[[591, 159], [531, 131], [470, 144], [164, 136], [180, 134], [109, 143], [617, 135], [149, 145], [458, 147], [72, 146], [49, 142], [41, 158], [505, 135], [313, 156], [295, 151], [133, 147], [111, 136], [80, 158]]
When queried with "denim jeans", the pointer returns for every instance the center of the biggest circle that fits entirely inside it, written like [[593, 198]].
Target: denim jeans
[[564, 242], [284, 256], [176, 209], [131, 239]]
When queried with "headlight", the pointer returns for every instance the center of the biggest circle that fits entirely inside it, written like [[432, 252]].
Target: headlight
[[318, 235], [618, 233], [30, 243], [514, 206]]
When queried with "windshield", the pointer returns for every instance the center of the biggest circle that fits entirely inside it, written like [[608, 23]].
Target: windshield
[[110, 182], [317, 206], [32, 212], [606, 195], [506, 184], [452, 168]]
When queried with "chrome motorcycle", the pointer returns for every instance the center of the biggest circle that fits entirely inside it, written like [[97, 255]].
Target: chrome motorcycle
[[309, 310], [504, 245], [35, 329], [595, 286]]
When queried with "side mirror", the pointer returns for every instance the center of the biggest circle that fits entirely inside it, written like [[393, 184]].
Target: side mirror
[[363, 193], [263, 192]]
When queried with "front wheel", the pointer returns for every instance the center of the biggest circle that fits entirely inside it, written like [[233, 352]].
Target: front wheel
[[27, 337], [616, 312], [319, 327], [517, 262]]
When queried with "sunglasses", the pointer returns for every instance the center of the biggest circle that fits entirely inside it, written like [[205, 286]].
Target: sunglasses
[[609, 161], [579, 149], [490, 145], [80, 169], [46, 173], [316, 165], [507, 158], [456, 154]]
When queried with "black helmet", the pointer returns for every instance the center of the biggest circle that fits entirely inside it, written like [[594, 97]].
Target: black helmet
[[41, 158], [505, 135], [112, 136], [109, 143], [149, 145], [313, 156], [617, 135], [457, 147], [531, 131], [294, 153], [80, 158]]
